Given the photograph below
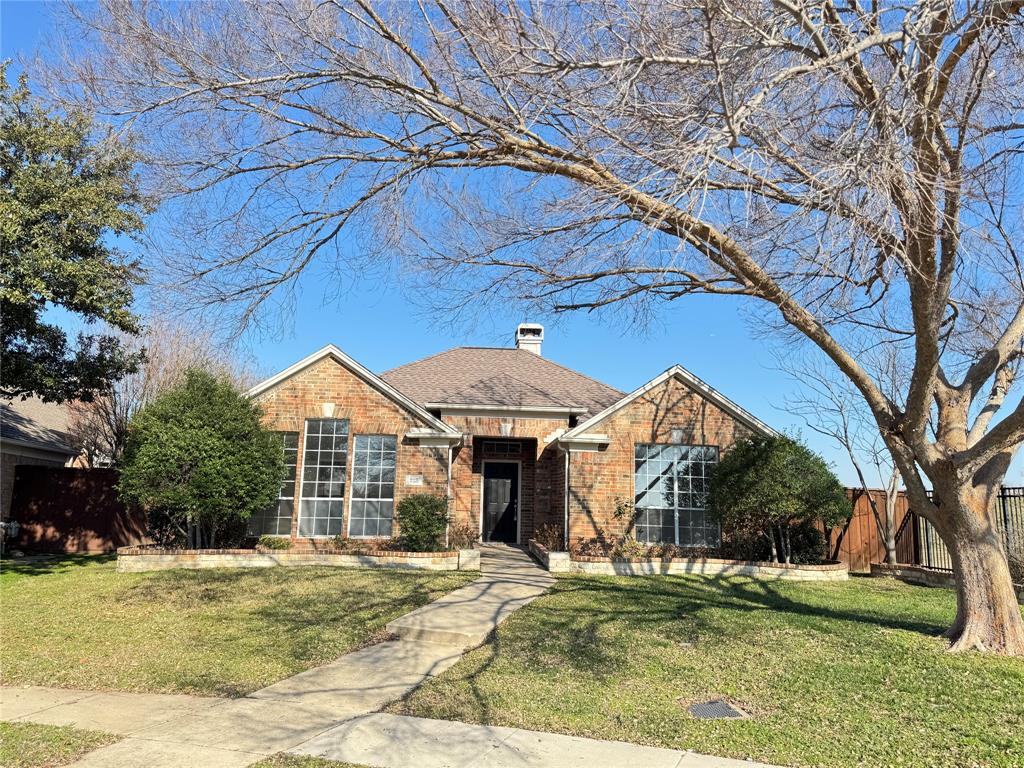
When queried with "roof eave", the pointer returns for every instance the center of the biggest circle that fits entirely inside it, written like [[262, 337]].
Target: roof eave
[[62, 448], [571, 410]]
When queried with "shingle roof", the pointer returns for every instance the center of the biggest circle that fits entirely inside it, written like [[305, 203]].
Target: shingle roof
[[35, 423], [500, 377]]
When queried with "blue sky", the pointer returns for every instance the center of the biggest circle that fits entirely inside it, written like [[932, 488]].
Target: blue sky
[[375, 323]]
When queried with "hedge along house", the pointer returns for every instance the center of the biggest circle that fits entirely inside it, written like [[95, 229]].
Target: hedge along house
[[513, 440]]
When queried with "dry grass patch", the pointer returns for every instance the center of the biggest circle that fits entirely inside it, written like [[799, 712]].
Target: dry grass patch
[[29, 745]]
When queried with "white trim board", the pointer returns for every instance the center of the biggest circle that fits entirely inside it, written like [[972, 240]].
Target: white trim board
[[368, 376], [511, 411], [579, 432]]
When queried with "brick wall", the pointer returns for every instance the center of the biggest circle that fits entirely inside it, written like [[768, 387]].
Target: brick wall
[[300, 397], [598, 479]]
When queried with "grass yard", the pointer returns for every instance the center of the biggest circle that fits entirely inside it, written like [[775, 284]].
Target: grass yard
[[28, 745], [77, 623], [840, 674]]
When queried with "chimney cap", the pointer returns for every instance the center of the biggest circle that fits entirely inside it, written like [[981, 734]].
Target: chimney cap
[[529, 337]]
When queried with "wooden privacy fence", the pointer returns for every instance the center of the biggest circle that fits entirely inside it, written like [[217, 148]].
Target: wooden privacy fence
[[858, 544], [68, 510]]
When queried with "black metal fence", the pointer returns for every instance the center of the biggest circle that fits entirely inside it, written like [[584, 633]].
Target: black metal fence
[[918, 542]]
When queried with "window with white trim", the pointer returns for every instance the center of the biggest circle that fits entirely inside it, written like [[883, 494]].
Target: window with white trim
[[277, 521], [324, 462], [373, 486], [671, 487]]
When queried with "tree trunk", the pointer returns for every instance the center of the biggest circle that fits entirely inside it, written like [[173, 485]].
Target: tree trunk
[[892, 495], [890, 533], [988, 617], [771, 542]]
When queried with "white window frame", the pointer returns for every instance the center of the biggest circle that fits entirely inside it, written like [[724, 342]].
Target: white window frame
[[350, 490], [677, 510], [302, 490], [296, 489]]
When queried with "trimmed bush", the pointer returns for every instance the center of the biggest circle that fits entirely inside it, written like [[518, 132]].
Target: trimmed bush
[[806, 545], [274, 542], [422, 519], [772, 489], [199, 458]]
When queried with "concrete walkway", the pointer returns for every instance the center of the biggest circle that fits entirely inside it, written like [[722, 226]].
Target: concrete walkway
[[393, 741], [464, 618], [333, 710], [167, 731]]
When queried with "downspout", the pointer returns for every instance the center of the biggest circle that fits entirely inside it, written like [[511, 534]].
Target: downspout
[[448, 498], [565, 521]]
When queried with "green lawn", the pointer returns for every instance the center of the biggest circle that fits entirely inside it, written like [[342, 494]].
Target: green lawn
[[28, 745], [78, 623], [841, 674]]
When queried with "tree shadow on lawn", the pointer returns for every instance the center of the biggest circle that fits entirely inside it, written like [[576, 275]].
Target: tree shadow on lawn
[[572, 635], [304, 616], [44, 564], [663, 598]]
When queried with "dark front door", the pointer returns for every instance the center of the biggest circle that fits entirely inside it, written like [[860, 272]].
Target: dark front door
[[501, 501]]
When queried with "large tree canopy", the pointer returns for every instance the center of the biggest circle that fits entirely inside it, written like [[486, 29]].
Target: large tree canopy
[[62, 196], [851, 169]]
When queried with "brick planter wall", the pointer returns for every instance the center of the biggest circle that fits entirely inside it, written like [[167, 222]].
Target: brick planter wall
[[137, 559], [555, 562], [702, 566], [925, 577]]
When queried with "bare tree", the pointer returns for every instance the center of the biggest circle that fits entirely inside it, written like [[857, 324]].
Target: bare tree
[[170, 348], [829, 405], [852, 168]]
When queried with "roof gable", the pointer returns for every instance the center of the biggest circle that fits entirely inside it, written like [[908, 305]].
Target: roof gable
[[697, 385], [363, 373]]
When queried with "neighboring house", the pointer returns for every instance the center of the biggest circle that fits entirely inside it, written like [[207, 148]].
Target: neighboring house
[[31, 432], [514, 441]]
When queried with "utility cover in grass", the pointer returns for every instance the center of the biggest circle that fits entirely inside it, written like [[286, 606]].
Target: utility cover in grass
[[714, 709]]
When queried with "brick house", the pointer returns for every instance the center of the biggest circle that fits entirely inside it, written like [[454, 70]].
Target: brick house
[[513, 440]]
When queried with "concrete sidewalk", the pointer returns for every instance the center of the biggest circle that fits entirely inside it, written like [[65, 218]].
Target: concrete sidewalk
[[166, 731], [393, 741]]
